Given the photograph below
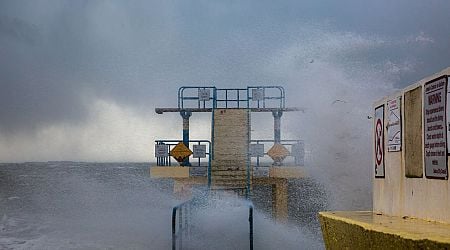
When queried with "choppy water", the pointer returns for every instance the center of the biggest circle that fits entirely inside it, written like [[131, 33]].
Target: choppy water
[[65, 205]]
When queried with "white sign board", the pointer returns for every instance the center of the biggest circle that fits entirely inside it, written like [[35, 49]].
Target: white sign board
[[161, 150], [448, 116], [204, 94], [394, 125], [379, 141], [435, 131], [256, 150], [298, 151], [199, 151], [257, 94]]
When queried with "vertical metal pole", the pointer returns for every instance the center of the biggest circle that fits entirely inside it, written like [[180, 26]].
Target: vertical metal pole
[[186, 115], [174, 237], [250, 222], [180, 226], [209, 167], [277, 126], [247, 190]]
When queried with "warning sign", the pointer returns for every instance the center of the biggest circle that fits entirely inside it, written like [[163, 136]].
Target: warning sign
[[199, 151], [278, 152], [257, 94], [379, 141], [394, 126], [204, 94], [180, 152], [298, 151], [161, 150], [435, 135], [256, 150]]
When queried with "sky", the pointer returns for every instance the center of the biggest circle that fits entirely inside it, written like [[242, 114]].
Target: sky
[[79, 80]]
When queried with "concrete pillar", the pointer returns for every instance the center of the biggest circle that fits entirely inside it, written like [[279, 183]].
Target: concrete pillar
[[186, 115], [277, 126]]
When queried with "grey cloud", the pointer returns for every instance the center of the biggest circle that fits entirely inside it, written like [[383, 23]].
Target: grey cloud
[[57, 57]]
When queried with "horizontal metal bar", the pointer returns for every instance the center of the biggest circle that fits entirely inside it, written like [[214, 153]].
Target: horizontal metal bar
[[274, 140], [171, 140], [231, 89], [162, 110]]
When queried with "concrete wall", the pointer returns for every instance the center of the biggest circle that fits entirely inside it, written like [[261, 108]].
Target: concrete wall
[[413, 196], [230, 146]]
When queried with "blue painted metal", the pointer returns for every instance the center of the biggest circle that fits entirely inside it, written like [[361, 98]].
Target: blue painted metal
[[277, 125], [231, 97], [183, 225], [166, 161], [184, 213], [287, 143], [186, 115], [247, 191]]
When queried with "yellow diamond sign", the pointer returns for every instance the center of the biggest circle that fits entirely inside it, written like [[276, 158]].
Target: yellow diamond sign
[[278, 152], [180, 152]]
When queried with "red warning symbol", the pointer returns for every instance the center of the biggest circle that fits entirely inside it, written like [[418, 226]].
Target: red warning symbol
[[379, 148], [379, 141]]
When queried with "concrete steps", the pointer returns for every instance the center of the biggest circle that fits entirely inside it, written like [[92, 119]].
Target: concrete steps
[[231, 137]]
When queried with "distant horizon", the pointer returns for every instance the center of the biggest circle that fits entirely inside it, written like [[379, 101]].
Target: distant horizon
[[81, 79]]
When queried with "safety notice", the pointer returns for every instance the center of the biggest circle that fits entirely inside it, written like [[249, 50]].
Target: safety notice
[[435, 136], [394, 127], [379, 142]]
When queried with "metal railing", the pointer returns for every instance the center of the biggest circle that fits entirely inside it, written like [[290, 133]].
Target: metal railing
[[297, 154], [182, 222], [250, 97], [167, 160], [181, 228]]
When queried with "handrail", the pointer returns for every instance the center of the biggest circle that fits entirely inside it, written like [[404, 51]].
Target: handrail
[[185, 227], [239, 98], [166, 161], [298, 156], [182, 229]]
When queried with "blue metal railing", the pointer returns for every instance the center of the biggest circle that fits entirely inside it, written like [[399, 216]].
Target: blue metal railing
[[167, 161], [277, 98], [181, 228], [250, 97], [290, 145], [183, 213]]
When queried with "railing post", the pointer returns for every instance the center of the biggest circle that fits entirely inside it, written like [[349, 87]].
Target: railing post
[[186, 115], [250, 222], [277, 126], [174, 237]]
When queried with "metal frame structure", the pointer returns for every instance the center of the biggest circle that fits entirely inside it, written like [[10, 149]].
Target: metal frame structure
[[208, 99], [224, 97]]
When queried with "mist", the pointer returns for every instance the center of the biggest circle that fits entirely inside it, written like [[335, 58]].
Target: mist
[[79, 81]]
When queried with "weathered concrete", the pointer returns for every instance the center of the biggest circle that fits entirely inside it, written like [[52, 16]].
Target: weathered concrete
[[413, 131], [367, 230], [410, 211], [398, 194], [230, 146], [287, 172], [169, 172]]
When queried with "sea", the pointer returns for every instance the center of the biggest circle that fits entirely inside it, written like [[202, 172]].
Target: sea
[[79, 205]]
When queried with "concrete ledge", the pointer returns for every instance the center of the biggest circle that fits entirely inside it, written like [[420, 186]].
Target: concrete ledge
[[169, 172], [287, 172], [366, 230]]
